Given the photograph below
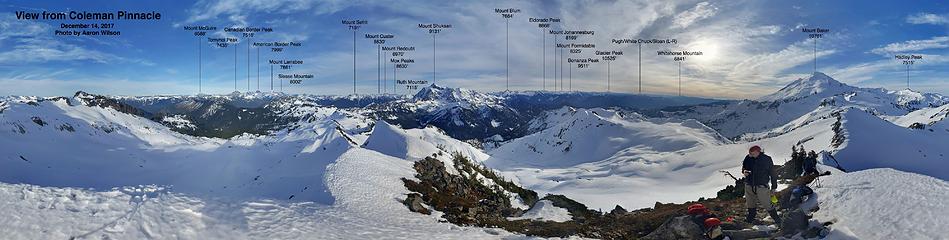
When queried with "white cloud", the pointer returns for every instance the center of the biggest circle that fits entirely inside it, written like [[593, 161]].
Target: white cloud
[[238, 11], [33, 51], [744, 51], [11, 27], [33, 44], [913, 45], [766, 66], [701, 11], [54, 84], [927, 18], [866, 71], [758, 31], [480, 63]]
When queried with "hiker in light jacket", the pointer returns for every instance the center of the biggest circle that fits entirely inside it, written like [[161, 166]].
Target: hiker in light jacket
[[759, 171]]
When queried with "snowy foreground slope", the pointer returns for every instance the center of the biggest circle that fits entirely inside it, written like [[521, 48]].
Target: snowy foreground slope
[[883, 204], [604, 158], [365, 184]]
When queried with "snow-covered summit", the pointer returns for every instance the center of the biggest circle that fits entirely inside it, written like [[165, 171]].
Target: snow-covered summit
[[453, 95], [820, 86], [393, 141], [909, 97], [817, 84], [803, 101]]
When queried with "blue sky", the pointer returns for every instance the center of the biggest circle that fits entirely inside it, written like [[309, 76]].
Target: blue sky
[[751, 47]]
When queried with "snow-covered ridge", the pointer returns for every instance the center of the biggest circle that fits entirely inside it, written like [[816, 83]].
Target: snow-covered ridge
[[569, 136], [925, 116], [416, 144], [871, 142], [97, 147]]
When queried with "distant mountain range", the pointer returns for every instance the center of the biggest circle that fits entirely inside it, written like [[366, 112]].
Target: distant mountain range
[[345, 157]]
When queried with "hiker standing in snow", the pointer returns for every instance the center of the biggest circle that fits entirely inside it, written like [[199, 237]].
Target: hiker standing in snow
[[759, 171]]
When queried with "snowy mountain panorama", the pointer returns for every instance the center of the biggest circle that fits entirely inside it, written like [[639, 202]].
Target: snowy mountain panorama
[[450, 163]]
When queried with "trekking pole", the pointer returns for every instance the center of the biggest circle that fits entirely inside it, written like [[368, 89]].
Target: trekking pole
[[728, 174]]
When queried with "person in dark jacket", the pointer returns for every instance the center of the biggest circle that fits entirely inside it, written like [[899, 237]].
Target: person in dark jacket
[[759, 172], [810, 163]]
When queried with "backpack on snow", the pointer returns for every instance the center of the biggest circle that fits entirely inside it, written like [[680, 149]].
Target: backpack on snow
[[797, 196]]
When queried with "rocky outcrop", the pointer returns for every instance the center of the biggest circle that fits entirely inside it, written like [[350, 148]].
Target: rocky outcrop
[[618, 210], [463, 198], [840, 135], [38, 121], [680, 227], [466, 199], [414, 202]]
